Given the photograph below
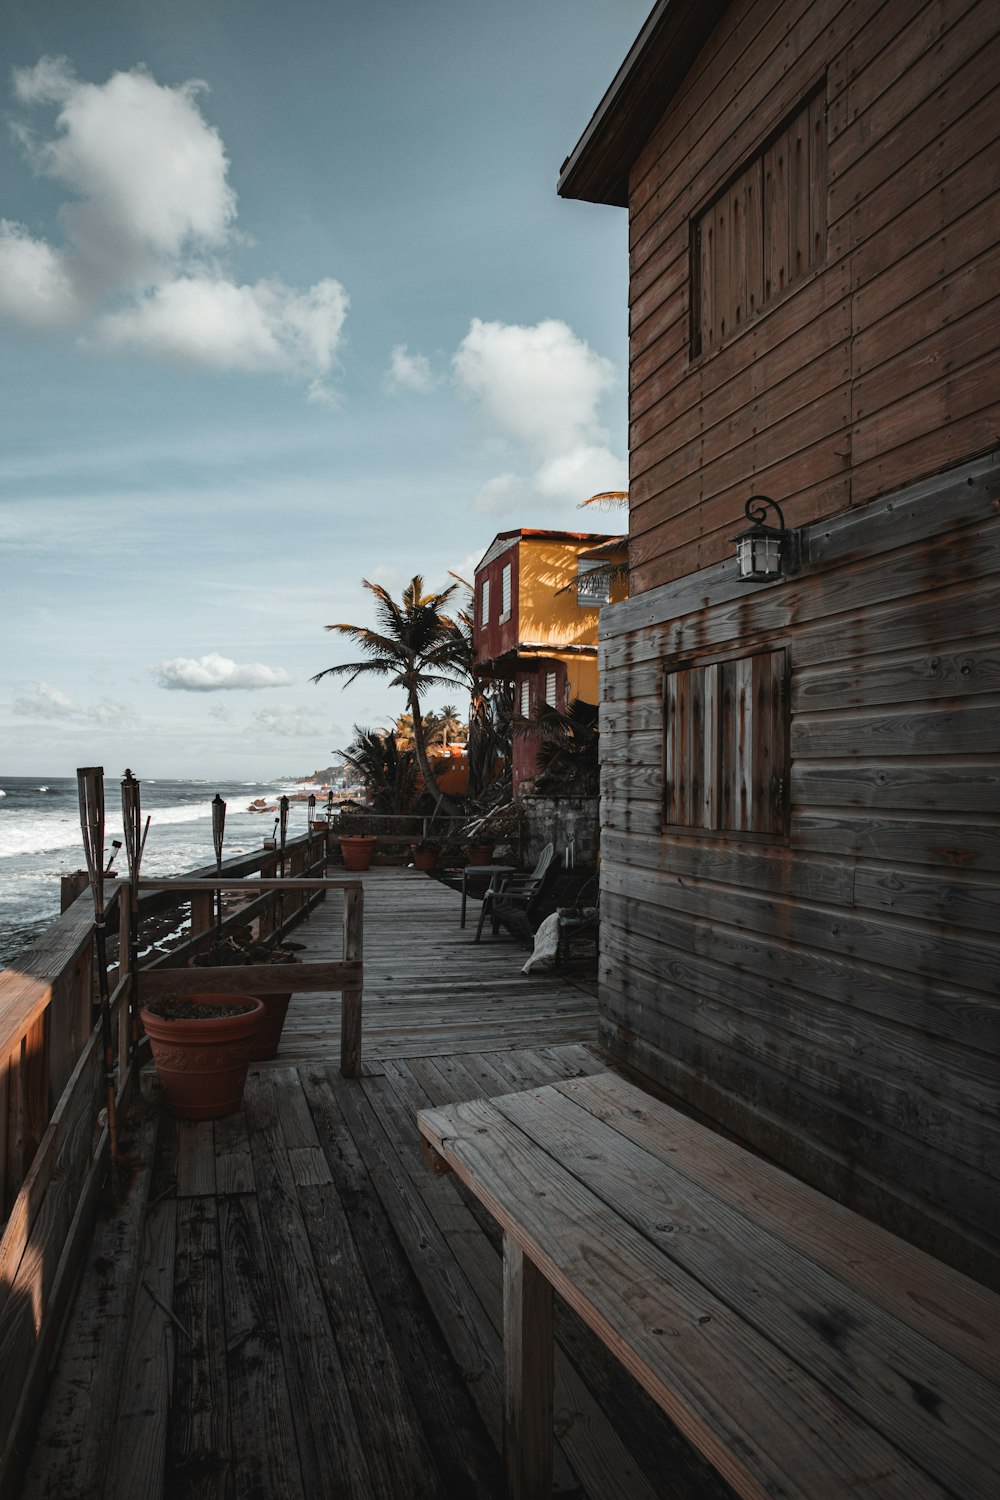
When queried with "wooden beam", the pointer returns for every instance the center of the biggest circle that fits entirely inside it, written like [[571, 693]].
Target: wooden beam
[[266, 883], [527, 1375], [250, 979]]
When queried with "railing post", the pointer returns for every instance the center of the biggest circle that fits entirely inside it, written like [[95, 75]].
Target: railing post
[[71, 886], [202, 911], [124, 968], [350, 1024]]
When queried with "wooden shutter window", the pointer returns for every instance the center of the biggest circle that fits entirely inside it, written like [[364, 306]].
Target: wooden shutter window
[[550, 689], [505, 592], [484, 610], [763, 232], [525, 700], [726, 746]]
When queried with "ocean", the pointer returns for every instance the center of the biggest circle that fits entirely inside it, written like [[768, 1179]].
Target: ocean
[[40, 837]]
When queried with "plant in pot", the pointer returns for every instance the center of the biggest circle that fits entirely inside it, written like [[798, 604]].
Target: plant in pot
[[425, 854], [238, 947], [501, 826], [201, 1045], [357, 839]]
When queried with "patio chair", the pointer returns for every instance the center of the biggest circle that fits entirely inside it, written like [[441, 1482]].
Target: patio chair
[[516, 892], [579, 923]]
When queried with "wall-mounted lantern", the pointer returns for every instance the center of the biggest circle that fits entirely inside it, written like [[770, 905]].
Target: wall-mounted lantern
[[766, 552]]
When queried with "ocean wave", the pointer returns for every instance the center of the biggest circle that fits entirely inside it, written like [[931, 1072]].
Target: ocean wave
[[47, 836]]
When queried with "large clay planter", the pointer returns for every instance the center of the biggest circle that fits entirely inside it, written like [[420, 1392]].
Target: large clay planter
[[202, 1062], [357, 849], [265, 1044], [425, 859], [480, 854]]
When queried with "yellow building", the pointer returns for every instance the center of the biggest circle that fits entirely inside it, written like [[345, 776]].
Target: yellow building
[[537, 599]]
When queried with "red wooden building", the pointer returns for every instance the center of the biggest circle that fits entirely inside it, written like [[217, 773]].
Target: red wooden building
[[801, 784], [535, 628]]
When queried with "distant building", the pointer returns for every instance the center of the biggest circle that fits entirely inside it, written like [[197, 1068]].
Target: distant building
[[537, 597]]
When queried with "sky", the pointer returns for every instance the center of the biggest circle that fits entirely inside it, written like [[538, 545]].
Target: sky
[[287, 300]]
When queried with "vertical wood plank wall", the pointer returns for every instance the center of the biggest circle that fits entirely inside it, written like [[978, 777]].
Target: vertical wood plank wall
[[876, 369], [832, 997]]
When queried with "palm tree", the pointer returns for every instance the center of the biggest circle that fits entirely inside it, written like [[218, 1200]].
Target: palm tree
[[414, 646], [389, 773], [491, 707]]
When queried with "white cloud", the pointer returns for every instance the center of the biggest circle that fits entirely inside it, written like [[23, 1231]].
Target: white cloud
[[211, 322], [214, 674], [297, 723], [410, 372], [150, 214], [49, 703], [46, 703], [36, 288], [541, 386], [499, 496]]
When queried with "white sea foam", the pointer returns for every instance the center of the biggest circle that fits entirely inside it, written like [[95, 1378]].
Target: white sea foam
[[48, 835]]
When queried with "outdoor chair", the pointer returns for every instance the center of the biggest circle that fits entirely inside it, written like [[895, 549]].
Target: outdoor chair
[[516, 893], [579, 924]]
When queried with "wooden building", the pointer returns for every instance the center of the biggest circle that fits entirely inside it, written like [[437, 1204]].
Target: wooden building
[[801, 783], [536, 626]]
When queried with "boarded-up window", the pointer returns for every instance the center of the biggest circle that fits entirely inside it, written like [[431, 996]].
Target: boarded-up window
[[505, 592], [763, 232], [593, 583], [484, 615], [550, 689], [525, 700], [726, 746]]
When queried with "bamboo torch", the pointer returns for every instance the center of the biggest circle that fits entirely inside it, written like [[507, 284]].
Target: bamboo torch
[[90, 789], [283, 823], [218, 836], [135, 843]]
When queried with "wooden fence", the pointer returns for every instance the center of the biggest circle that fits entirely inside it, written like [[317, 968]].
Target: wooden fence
[[397, 830], [54, 1136]]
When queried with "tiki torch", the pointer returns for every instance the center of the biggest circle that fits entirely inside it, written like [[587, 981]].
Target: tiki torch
[[90, 789], [218, 836]]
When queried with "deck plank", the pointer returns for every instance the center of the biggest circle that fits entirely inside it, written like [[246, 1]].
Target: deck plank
[[137, 1459], [199, 1463], [466, 1459], [265, 1457], [331, 1447]]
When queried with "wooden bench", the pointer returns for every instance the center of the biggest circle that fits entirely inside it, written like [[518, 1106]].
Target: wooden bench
[[804, 1351]]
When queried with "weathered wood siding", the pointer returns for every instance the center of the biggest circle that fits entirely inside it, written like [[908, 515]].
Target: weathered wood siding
[[831, 995], [875, 368]]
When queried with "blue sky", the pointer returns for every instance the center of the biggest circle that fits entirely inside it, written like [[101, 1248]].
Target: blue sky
[[287, 299]]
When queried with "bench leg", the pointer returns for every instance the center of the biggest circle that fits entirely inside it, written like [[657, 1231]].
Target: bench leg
[[527, 1376]]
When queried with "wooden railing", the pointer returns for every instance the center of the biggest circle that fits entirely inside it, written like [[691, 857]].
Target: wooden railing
[[347, 974], [54, 1135]]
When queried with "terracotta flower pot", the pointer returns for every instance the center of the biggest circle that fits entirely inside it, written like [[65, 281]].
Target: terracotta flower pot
[[480, 854], [425, 859], [265, 1043], [202, 1061], [357, 849]]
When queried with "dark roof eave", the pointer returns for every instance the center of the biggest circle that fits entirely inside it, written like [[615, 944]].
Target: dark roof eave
[[597, 169]]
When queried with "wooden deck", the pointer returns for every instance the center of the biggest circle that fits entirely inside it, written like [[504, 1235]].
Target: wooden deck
[[289, 1303]]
